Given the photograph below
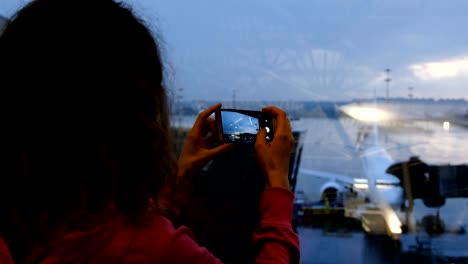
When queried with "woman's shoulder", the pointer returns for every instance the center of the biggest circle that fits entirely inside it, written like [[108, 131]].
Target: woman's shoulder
[[117, 239], [158, 227], [161, 242], [154, 240]]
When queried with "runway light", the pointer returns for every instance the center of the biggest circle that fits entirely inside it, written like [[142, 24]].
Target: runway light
[[446, 125]]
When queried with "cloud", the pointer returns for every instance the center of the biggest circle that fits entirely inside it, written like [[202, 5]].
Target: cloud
[[445, 69]]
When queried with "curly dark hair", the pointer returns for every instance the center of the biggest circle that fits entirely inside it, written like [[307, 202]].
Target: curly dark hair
[[84, 117]]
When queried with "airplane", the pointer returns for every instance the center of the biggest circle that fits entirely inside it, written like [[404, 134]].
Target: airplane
[[380, 193]]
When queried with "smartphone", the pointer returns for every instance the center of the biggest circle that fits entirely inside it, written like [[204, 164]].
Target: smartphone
[[242, 126]]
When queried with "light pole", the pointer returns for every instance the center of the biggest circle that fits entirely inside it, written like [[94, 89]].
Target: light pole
[[410, 92], [387, 81], [234, 98]]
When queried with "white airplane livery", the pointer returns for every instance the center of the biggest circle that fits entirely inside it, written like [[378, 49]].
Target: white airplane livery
[[375, 161], [381, 191]]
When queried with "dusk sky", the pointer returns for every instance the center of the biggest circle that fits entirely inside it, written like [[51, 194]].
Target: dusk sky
[[309, 49]]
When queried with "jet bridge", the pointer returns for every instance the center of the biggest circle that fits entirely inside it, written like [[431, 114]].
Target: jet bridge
[[433, 184]]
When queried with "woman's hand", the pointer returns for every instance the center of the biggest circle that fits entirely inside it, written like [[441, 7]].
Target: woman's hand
[[196, 153], [273, 157]]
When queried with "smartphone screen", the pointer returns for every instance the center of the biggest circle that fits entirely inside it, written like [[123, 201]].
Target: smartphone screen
[[243, 125], [239, 127]]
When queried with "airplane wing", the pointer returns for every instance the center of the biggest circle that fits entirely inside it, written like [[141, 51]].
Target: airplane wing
[[328, 176]]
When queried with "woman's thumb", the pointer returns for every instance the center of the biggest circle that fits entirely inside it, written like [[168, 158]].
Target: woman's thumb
[[261, 138]]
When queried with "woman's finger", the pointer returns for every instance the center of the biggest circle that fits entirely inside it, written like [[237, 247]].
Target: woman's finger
[[211, 140], [260, 142], [202, 118], [205, 114], [211, 125], [282, 122]]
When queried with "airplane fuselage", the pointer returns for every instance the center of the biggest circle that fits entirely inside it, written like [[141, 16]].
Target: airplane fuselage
[[375, 161]]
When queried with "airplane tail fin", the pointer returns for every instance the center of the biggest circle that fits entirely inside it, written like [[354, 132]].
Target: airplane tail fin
[[375, 128], [368, 136]]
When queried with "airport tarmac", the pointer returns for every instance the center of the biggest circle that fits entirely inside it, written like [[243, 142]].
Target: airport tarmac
[[320, 247], [330, 146]]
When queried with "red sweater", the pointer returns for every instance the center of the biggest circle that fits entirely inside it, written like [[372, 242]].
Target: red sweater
[[160, 242]]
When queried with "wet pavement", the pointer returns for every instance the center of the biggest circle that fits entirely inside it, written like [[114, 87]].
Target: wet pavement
[[320, 247]]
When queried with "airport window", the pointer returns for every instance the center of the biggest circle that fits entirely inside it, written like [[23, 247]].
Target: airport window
[[376, 95]]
